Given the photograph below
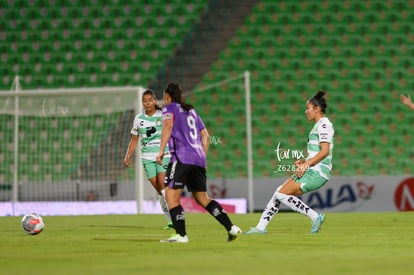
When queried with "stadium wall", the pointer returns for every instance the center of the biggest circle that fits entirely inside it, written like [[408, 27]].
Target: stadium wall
[[340, 194], [121, 207]]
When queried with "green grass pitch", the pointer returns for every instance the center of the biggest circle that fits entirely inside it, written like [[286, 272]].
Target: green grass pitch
[[349, 243]]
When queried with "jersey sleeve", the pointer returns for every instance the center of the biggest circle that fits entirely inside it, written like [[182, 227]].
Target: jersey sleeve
[[199, 123], [134, 130], [167, 113], [325, 132]]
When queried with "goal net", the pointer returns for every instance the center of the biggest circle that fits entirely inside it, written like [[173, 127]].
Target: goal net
[[69, 145]]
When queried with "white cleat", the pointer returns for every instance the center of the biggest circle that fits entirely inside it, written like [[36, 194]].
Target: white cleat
[[176, 238]]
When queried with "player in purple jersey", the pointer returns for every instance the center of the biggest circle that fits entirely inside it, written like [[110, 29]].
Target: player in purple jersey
[[188, 141]]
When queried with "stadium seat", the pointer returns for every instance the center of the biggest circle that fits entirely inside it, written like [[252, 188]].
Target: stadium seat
[[353, 76], [359, 52]]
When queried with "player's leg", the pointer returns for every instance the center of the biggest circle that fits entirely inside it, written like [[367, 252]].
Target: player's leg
[[160, 170], [163, 202], [198, 187], [174, 188], [176, 210], [151, 169], [291, 188], [311, 181], [287, 195], [177, 215], [271, 209]]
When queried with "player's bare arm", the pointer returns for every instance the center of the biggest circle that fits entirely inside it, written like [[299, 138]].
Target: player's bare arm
[[131, 148], [323, 153], [165, 136], [406, 100], [205, 137]]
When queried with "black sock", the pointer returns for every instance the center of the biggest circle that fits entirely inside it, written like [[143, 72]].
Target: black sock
[[215, 209], [178, 219]]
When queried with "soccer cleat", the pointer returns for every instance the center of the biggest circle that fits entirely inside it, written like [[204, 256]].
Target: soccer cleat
[[176, 238], [255, 230], [316, 225], [169, 226], [234, 232]]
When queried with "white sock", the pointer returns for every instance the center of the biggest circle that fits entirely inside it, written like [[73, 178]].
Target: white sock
[[268, 213], [297, 205], [164, 205]]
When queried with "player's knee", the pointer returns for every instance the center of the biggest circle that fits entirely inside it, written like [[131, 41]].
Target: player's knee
[[201, 199], [280, 196]]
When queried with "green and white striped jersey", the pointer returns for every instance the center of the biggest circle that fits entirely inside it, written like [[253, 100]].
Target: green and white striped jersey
[[149, 130], [322, 131]]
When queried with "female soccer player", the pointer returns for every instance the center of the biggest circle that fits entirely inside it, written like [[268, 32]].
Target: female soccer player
[[188, 141], [406, 100], [148, 125], [311, 174]]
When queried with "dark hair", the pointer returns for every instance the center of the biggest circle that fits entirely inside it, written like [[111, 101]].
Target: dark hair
[[151, 93], [319, 100], [176, 94]]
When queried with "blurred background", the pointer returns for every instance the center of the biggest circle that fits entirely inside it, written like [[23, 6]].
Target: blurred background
[[360, 52]]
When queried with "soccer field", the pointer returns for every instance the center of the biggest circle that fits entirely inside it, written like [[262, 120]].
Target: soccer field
[[349, 243]]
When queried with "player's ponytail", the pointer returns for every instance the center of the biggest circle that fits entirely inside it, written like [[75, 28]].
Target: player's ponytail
[[176, 94], [319, 100], [151, 93]]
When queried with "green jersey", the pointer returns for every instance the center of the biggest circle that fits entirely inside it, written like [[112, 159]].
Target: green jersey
[[322, 131], [148, 128]]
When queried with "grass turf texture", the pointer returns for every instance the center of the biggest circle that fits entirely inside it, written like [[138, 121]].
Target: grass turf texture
[[349, 243]]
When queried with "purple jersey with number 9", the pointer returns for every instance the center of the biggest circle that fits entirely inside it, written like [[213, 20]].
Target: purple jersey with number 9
[[185, 143]]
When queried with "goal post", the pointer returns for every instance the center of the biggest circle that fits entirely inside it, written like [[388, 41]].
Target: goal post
[[69, 145], [249, 142], [225, 107]]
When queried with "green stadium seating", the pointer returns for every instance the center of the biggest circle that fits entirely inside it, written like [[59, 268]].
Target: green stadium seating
[[361, 53], [77, 31], [356, 57], [76, 44]]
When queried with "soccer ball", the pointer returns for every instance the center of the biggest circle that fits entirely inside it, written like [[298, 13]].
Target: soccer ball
[[33, 224]]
